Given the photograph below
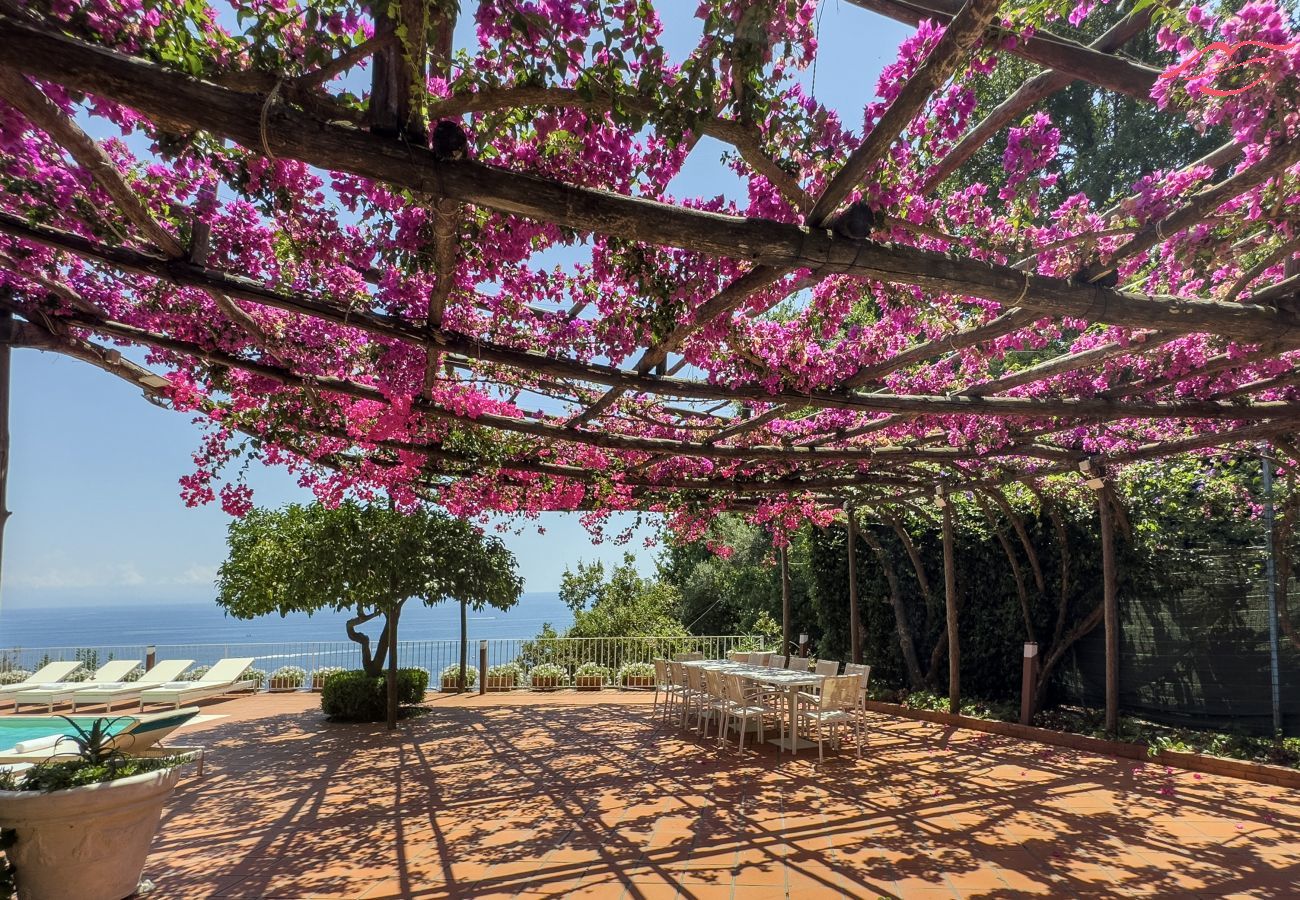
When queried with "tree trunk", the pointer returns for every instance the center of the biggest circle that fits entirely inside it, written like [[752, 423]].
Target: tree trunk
[[950, 605], [464, 649], [855, 619], [371, 665], [391, 630], [1110, 606], [785, 603], [905, 640]]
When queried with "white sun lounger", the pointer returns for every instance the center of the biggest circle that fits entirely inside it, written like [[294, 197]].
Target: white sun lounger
[[223, 678], [48, 695], [49, 674], [164, 672]]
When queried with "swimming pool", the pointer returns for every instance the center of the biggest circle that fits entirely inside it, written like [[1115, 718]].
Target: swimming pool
[[14, 729]]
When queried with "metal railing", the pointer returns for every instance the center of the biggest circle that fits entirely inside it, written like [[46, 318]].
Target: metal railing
[[433, 656]]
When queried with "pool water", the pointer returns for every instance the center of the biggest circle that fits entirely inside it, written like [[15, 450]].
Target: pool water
[[14, 729]]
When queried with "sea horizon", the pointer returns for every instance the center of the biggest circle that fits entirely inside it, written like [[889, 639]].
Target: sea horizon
[[195, 622]]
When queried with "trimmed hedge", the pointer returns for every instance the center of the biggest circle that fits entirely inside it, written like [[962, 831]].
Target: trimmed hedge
[[354, 696]]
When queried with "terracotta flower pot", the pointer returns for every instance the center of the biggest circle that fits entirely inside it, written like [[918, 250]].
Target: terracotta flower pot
[[500, 682], [639, 681], [589, 682], [545, 683], [279, 685], [86, 842]]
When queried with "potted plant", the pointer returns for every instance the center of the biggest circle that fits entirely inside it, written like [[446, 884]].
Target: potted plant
[[504, 677], [318, 676], [637, 675], [14, 676], [257, 676], [451, 678], [82, 827], [547, 677], [590, 676], [288, 678]]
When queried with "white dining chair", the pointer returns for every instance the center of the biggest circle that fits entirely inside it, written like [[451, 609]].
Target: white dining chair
[[745, 704], [826, 667], [835, 707]]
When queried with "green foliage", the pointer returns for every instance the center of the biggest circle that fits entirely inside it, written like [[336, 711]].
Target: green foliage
[[1108, 140], [354, 557], [59, 776], [451, 676], [93, 745], [622, 605], [740, 594], [355, 696], [365, 559]]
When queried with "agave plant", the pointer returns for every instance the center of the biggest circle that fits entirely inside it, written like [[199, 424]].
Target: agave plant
[[95, 744]]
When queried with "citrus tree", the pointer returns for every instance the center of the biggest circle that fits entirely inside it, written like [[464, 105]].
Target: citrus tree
[[365, 559]]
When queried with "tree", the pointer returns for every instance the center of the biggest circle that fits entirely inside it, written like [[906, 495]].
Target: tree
[[621, 604], [366, 559]]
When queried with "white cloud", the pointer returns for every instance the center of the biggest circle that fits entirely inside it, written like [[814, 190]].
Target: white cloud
[[77, 577], [60, 575], [197, 574]]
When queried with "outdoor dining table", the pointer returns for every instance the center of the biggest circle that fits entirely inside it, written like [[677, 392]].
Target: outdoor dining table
[[786, 679]]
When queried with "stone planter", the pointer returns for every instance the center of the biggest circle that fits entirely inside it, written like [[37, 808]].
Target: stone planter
[[639, 682], [500, 683], [589, 682], [545, 683], [87, 842]]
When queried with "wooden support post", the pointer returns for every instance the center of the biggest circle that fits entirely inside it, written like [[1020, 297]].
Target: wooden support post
[[392, 668], [950, 601], [1110, 608], [482, 667], [1028, 682], [785, 603], [464, 648], [6, 323], [855, 621], [150, 657]]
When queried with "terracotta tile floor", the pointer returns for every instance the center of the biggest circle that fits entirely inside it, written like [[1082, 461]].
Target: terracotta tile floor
[[566, 795]]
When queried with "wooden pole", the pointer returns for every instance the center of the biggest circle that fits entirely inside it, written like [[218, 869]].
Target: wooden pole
[[392, 668], [1110, 609], [950, 600], [855, 621], [482, 667], [6, 321], [464, 648], [785, 603]]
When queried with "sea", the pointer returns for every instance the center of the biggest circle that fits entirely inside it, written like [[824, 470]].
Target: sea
[[31, 629]]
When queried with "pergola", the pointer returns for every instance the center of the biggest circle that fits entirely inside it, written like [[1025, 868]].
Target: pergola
[[367, 296]]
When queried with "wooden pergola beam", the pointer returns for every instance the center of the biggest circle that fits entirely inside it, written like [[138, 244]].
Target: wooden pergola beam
[[186, 102], [966, 27], [1036, 89], [1043, 47]]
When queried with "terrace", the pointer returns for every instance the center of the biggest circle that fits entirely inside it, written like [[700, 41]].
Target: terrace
[[574, 795]]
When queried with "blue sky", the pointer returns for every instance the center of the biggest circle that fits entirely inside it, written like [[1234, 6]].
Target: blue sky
[[93, 473]]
